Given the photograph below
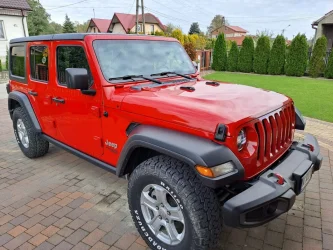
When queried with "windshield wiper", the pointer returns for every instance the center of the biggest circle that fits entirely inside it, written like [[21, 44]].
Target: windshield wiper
[[131, 77], [170, 72]]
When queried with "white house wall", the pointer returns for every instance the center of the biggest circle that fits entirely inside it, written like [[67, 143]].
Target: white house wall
[[118, 29], [13, 28]]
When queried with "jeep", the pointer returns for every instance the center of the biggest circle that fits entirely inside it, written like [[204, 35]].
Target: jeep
[[197, 154]]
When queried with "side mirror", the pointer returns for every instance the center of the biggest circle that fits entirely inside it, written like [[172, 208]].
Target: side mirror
[[77, 78], [195, 64]]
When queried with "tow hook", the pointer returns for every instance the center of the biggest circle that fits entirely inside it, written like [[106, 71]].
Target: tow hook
[[280, 179]]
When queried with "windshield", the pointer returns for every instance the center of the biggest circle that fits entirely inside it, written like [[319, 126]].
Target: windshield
[[119, 58]]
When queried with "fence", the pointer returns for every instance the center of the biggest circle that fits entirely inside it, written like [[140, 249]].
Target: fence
[[205, 57]]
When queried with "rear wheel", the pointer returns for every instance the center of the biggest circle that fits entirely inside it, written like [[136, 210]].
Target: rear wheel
[[171, 208], [32, 144]]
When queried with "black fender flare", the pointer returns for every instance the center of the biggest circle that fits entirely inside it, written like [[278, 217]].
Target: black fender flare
[[24, 102], [190, 149]]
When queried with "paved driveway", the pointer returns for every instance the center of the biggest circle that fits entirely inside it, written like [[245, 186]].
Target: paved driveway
[[61, 202]]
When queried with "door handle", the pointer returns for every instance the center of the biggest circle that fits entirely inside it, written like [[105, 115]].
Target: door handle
[[57, 100], [33, 93]]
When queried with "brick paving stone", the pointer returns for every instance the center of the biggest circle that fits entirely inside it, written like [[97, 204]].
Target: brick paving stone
[[26, 246], [87, 205], [136, 246], [292, 245], [6, 218], [257, 232], [277, 225], [33, 211], [62, 222], [36, 229], [237, 237], [75, 195], [55, 239], [77, 212], [90, 226], [63, 211], [19, 211], [93, 237], [294, 221], [38, 239], [312, 221], [125, 241], [77, 202], [5, 228], [33, 221], [77, 236], [17, 241], [101, 246], [274, 238], [250, 242], [49, 220], [50, 210], [65, 232], [63, 246], [5, 238], [17, 231], [311, 232], [35, 202], [327, 241], [62, 195], [327, 227], [76, 224], [45, 246], [143, 243], [81, 246], [311, 244], [18, 220], [294, 233], [64, 202], [110, 238], [88, 196]]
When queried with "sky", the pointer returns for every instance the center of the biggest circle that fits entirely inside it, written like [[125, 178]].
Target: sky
[[293, 16]]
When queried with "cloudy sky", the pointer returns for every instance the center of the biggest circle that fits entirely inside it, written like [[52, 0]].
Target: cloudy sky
[[253, 15]]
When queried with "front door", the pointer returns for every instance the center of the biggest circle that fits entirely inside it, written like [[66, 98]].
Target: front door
[[78, 116]]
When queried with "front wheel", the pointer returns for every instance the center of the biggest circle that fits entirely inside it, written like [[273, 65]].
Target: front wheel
[[171, 208]]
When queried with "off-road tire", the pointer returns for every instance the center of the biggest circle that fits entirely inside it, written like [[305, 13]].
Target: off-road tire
[[37, 145], [201, 209]]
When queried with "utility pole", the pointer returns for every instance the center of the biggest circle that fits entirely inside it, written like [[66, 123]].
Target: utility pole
[[143, 17], [137, 17]]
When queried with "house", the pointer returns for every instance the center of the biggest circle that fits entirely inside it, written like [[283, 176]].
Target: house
[[97, 25], [324, 27], [13, 22], [229, 31], [125, 23]]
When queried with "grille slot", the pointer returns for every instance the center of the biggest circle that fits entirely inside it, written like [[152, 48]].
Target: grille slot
[[275, 133]]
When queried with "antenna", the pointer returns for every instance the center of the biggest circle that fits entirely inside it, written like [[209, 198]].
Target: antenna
[[94, 12]]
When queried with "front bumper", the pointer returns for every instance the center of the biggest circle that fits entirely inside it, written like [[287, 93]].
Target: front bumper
[[270, 196]]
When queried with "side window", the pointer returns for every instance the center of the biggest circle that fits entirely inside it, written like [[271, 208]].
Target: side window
[[2, 31], [71, 57], [17, 61], [39, 63]]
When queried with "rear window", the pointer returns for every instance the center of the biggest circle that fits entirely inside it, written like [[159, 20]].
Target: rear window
[[17, 61], [39, 63]]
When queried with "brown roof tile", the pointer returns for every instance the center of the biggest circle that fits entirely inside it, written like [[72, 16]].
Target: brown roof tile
[[15, 4]]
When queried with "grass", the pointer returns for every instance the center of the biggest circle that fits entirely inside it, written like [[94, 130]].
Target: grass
[[314, 97]]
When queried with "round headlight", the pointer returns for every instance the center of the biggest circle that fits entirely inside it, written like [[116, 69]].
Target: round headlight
[[241, 140]]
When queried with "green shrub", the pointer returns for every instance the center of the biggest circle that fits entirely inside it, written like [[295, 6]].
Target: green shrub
[[0, 66], [261, 55], [190, 49], [220, 54], [317, 61], [245, 60], [277, 58], [178, 34], [7, 57], [329, 67], [233, 57], [297, 57]]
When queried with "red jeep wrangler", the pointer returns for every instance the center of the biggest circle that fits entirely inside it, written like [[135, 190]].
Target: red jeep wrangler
[[197, 153]]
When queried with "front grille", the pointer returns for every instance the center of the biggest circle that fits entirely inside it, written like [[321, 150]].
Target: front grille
[[275, 133]]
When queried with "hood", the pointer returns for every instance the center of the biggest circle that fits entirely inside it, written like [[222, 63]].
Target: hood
[[206, 106]]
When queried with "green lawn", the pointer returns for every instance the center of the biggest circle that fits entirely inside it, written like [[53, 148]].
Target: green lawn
[[314, 97]]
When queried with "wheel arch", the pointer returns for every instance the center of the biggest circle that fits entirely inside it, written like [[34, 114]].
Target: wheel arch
[[187, 148], [19, 99]]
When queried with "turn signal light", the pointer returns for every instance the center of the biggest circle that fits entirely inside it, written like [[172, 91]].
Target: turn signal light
[[205, 171]]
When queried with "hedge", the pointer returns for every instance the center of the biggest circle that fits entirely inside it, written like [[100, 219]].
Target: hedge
[[233, 57], [297, 56], [261, 55], [245, 61], [317, 61], [277, 58], [220, 54], [329, 67], [190, 49]]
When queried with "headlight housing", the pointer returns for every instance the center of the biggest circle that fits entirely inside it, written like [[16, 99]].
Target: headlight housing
[[241, 140], [216, 171]]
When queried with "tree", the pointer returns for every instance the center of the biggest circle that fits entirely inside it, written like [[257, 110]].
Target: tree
[[261, 55], [277, 58], [68, 26], [200, 42], [317, 61], [220, 54], [233, 57], [297, 57], [159, 33], [217, 22], [194, 29], [329, 67], [38, 19], [169, 28], [245, 60], [54, 28], [189, 48], [81, 27], [7, 58], [178, 34]]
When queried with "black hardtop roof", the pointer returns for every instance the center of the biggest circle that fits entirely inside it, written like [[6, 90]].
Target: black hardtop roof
[[56, 37]]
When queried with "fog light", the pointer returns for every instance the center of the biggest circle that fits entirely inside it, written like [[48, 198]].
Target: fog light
[[216, 171]]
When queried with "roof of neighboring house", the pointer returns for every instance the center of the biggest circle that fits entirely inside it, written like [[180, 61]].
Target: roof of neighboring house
[[323, 17], [128, 20], [237, 39], [234, 28], [101, 24], [15, 4]]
